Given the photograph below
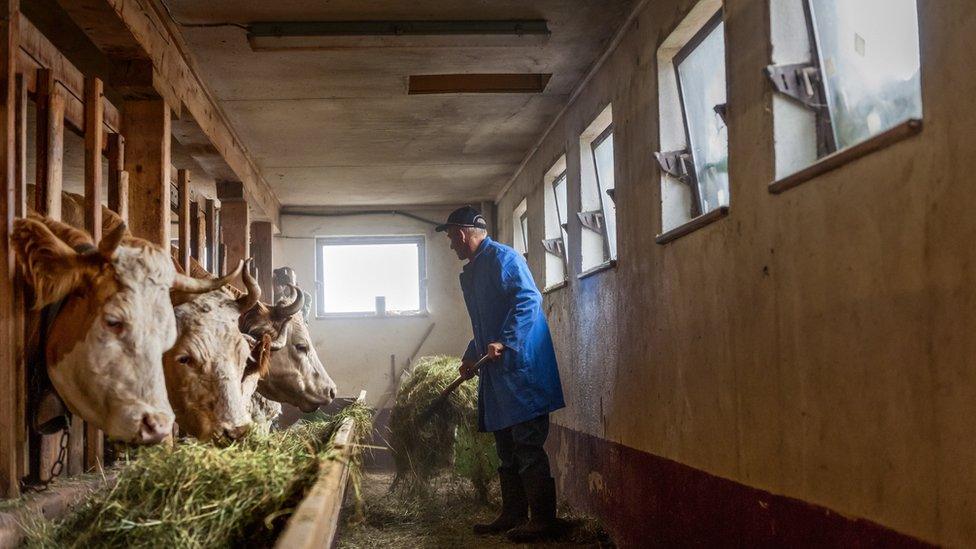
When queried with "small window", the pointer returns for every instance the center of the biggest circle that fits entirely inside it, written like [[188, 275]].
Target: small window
[[371, 275], [520, 228], [695, 141], [598, 215], [856, 73], [556, 242]]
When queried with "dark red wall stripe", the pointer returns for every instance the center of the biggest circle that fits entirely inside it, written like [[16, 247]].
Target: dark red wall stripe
[[649, 501]]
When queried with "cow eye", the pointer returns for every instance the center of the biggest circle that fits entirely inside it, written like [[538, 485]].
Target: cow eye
[[301, 348], [114, 324], [183, 359]]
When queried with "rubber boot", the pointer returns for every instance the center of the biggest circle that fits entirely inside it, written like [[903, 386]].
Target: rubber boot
[[515, 507], [543, 525]]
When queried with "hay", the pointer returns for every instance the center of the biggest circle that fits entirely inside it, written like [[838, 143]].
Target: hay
[[422, 449], [199, 495]]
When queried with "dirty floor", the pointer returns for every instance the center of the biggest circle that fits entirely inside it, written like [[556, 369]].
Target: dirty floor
[[442, 520]]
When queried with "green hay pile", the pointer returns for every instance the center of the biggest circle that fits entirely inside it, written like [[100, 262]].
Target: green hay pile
[[199, 495], [449, 437]]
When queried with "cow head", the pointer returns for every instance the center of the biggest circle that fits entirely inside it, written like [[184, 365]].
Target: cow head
[[211, 372], [296, 375], [105, 345]]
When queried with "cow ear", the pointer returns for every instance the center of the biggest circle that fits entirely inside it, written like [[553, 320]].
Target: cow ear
[[51, 267]]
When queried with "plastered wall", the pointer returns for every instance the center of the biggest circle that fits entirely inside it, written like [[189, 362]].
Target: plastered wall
[[356, 351], [817, 344]]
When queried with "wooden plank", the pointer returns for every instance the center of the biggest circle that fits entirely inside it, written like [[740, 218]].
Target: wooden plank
[[160, 38], [183, 188], [198, 230], [50, 145], [146, 126], [212, 234], [10, 417], [20, 305], [235, 229], [118, 180], [94, 138], [262, 244], [315, 521]]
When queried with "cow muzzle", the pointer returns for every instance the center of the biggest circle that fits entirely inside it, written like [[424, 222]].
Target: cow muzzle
[[154, 428]]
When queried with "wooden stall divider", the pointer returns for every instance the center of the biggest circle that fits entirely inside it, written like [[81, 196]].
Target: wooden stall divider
[[50, 145], [94, 137], [183, 189]]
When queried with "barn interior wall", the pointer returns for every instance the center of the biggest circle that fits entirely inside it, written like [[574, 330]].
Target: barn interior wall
[[814, 345], [356, 351]]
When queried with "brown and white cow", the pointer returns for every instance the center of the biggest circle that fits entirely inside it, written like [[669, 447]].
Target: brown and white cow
[[296, 376], [104, 346]]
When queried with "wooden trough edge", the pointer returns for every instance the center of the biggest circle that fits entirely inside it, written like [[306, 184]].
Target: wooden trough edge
[[316, 519]]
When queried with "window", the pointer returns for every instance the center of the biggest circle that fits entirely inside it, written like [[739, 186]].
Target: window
[[857, 72], [556, 242], [694, 135], [598, 215], [371, 275], [520, 228]]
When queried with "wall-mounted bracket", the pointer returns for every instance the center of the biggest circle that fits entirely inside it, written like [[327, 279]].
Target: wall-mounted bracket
[[722, 111], [555, 247], [676, 164], [592, 220], [801, 81], [612, 193]]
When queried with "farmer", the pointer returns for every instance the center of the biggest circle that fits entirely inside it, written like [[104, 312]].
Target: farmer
[[519, 387]]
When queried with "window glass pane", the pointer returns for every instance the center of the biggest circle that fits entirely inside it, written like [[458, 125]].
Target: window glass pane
[[701, 76], [603, 159], [559, 189], [870, 56], [353, 275], [524, 220]]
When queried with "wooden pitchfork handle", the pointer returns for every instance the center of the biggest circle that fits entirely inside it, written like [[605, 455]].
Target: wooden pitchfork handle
[[446, 393]]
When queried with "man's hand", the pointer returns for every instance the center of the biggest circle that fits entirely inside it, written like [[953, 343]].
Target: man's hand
[[495, 351], [466, 371]]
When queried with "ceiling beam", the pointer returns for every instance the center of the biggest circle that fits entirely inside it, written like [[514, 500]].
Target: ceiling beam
[[144, 28]]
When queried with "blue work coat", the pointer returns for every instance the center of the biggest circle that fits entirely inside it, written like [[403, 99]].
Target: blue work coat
[[506, 307]]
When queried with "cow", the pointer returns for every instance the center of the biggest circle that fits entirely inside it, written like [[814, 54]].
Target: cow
[[108, 321]]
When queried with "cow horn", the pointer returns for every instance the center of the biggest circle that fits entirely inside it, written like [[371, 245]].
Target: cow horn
[[282, 340], [190, 285], [281, 312], [110, 242], [253, 295]]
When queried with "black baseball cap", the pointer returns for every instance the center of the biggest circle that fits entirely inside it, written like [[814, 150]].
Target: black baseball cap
[[464, 217]]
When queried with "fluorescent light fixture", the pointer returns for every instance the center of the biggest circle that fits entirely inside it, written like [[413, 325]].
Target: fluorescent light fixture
[[477, 83], [338, 35]]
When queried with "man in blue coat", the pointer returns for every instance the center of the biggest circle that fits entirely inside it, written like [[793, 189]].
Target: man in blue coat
[[519, 387]]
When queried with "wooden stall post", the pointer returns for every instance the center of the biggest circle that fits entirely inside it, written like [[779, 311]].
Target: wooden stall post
[[20, 319], [146, 126], [94, 136], [212, 237], [183, 188], [11, 418], [262, 241], [198, 230], [234, 223], [118, 178], [50, 145]]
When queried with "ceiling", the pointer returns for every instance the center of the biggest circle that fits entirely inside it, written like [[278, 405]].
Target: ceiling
[[337, 128]]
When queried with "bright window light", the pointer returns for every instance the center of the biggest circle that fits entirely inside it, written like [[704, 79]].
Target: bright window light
[[355, 271], [603, 160]]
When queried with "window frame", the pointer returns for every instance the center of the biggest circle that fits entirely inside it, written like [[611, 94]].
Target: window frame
[[563, 224], [826, 142], [604, 135], [322, 241], [524, 224], [679, 58]]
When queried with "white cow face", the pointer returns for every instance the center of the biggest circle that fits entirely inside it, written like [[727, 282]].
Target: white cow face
[[296, 375]]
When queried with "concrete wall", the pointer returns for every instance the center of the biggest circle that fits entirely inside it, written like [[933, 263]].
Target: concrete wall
[[356, 351], [815, 344]]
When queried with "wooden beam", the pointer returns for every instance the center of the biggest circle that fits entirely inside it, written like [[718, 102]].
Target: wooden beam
[[235, 223], [118, 178], [183, 187], [198, 231], [20, 305], [94, 137], [11, 418], [161, 39], [49, 143], [262, 243], [212, 234], [146, 126]]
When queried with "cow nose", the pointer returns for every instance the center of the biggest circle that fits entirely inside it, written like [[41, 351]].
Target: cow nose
[[234, 432], [332, 391], [153, 428]]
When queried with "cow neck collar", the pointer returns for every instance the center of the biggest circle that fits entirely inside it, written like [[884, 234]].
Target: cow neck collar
[[39, 379]]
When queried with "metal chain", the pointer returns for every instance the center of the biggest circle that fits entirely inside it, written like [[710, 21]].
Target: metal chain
[[58, 466]]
